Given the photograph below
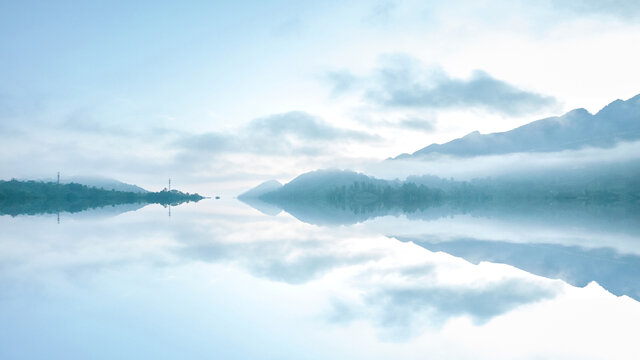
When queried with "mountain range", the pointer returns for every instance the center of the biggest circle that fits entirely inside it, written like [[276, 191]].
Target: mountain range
[[618, 121], [605, 182]]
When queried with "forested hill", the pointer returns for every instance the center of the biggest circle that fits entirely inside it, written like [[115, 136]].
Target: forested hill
[[35, 197], [337, 197], [602, 183]]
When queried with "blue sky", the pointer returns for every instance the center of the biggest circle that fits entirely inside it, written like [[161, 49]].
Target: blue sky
[[221, 92]]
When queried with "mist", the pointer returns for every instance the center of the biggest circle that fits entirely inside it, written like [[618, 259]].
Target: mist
[[464, 168]]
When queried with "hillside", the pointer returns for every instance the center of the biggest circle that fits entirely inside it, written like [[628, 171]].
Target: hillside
[[104, 183], [332, 196]]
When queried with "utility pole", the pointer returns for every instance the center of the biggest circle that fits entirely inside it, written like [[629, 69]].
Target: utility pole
[[58, 212]]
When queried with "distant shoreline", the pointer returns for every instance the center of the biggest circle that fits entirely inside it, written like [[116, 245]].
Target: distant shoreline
[[38, 197]]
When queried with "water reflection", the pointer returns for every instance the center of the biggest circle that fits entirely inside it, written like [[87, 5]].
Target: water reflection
[[394, 286], [624, 215], [290, 261], [216, 274], [400, 304], [578, 266], [617, 271]]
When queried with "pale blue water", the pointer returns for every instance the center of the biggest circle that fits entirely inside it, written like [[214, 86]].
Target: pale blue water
[[220, 280]]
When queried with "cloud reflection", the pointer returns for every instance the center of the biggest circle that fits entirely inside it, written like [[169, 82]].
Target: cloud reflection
[[400, 297], [397, 287]]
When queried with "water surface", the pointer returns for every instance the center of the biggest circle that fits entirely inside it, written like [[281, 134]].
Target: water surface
[[220, 279]]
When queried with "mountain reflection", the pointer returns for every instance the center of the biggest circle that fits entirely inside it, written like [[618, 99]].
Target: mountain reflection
[[613, 269], [569, 213], [578, 266]]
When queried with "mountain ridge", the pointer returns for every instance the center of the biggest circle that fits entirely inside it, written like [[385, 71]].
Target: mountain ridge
[[578, 128]]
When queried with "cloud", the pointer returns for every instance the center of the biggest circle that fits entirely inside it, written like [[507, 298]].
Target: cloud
[[446, 166], [417, 124], [404, 83], [288, 133], [302, 125], [412, 123], [398, 88], [620, 8]]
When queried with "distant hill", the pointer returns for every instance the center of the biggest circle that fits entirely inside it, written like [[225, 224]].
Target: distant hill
[[99, 183], [618, 121], [265, 187], [607, 182], [317, 184], [104, 183], [344, 197]]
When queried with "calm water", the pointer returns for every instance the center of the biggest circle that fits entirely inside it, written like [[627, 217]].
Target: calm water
[[221, 280]]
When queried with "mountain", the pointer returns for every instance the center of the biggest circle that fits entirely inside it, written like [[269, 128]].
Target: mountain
[[317, 183], [618, 121], [265, 187], [103, 183], [343, 197], [252, 197]]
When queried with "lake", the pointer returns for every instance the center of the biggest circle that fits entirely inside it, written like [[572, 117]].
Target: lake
[[220, 279]]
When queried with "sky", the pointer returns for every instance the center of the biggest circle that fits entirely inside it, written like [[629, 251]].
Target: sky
[[224, 95]]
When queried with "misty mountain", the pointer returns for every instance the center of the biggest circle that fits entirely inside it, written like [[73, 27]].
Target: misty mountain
[[265, 187], [103, 183], [618, 121], [99, 183], [316, 184], [344, 197]]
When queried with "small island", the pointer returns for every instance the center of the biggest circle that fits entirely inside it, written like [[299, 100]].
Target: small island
[[38, 197]]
